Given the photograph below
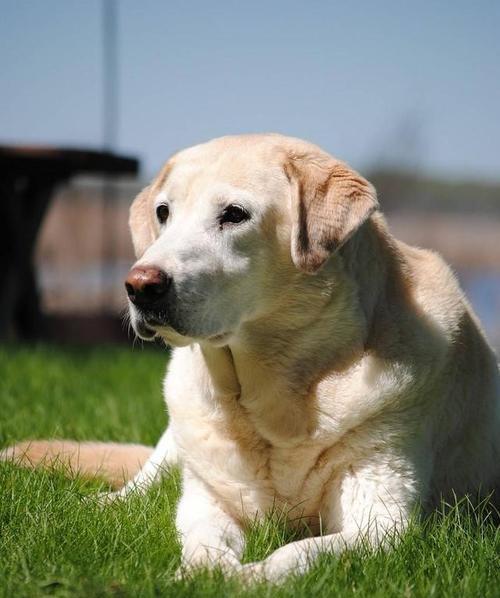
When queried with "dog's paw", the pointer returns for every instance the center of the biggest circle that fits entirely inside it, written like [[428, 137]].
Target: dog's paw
[[227, 563], [253, 573], [283, 562]]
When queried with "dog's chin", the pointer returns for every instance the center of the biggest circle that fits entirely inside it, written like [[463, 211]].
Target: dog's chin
[[176, 339], [148, 329], [148, 332], [173, 338], [143, 331]]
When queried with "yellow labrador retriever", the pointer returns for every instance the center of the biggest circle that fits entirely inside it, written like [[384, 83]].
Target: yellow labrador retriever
[[321, 367]]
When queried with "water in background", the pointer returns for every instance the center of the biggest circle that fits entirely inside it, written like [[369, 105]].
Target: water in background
[[483, 291]]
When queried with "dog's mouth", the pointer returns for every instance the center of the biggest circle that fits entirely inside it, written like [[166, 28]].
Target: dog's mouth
[[144, 331], [150, 326], [147, 324]]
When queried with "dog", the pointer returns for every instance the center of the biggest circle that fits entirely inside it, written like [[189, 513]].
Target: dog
[[321, 368]]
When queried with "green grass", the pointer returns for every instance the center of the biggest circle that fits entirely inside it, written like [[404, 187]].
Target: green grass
[[54, 543]]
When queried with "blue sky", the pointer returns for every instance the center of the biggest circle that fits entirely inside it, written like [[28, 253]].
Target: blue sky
[[415, 84]]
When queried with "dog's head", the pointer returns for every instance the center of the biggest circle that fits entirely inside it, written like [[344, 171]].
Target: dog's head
[[227, 225]]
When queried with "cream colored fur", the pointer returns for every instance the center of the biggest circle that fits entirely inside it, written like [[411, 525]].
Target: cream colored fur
[[323, 368], [116, 463]]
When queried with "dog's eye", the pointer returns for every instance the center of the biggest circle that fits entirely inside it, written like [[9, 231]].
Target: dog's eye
[[233, 214], [162, 212]]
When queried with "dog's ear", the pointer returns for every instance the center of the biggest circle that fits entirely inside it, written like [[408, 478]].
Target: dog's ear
[[142, 226], [330, 202]]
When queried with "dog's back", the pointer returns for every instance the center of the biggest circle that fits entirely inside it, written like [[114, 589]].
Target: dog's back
[[466, 417]]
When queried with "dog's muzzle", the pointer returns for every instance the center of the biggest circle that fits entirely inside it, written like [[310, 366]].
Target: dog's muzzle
[[147, 289]]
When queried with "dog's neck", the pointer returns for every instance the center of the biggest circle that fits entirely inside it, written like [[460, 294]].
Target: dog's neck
[[273, 364]]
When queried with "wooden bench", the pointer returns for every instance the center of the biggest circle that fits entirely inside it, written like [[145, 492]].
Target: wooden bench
[[29, 177]]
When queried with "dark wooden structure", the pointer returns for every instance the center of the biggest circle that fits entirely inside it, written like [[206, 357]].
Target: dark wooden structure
[[28, 178]]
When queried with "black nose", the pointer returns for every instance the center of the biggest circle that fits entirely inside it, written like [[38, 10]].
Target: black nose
[[146, 286]]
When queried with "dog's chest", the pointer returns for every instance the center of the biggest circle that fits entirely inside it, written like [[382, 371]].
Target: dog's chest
[[247, 472]]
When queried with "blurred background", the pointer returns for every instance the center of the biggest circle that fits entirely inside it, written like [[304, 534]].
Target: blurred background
[[96, 95]]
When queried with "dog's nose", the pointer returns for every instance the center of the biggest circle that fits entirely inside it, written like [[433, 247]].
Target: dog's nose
[[146, 285]]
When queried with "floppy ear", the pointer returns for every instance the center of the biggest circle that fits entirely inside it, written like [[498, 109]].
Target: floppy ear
[[141, 222], [329, 203]]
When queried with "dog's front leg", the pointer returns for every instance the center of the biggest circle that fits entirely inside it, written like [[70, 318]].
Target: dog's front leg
[[374, 503], [210, 537], [162, 458]]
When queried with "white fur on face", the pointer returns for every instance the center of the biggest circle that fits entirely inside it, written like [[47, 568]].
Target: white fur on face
[[215, 269]]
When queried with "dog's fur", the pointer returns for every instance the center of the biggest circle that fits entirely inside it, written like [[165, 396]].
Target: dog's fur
[[322, 369]]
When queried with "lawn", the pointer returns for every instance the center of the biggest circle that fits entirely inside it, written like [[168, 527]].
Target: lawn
[[54, 543]]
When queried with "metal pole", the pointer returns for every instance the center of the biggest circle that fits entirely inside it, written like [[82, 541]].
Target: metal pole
[[109, 271], [110, 74]]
